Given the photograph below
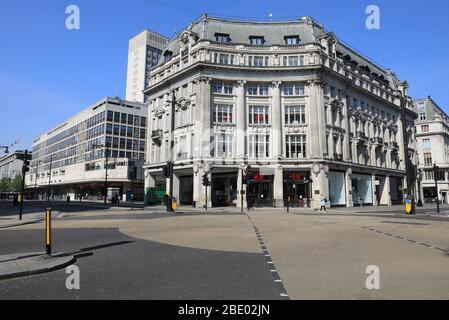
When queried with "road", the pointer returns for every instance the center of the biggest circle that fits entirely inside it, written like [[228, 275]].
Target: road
[[144, 254]]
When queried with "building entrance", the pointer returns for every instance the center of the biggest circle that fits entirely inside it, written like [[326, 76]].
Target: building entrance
[[224, 189], [297, 186], [260, 191]]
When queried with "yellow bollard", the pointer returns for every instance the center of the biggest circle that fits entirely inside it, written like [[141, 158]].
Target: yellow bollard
[[48, 231]]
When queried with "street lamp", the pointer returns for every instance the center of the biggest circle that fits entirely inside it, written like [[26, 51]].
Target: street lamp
[[106, 151], [49, 179], [405, 137], [419, 204]]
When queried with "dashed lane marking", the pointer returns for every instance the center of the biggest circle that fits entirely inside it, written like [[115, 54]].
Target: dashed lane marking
[[408, 240]]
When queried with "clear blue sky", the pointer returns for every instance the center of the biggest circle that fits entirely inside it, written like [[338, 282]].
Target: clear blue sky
[[48, 73]]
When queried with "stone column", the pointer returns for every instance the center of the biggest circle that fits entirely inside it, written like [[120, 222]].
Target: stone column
[[386, 197], [276, 124], [373, 189], [199, 191], [239, 188], [346, 126], [278, 188], [349, 201], [240, 119], [205, 122], [317, 131], [150, 182], [320, 184]]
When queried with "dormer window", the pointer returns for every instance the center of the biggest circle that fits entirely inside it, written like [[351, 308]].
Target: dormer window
[[256, 40], [222, 37], [167, 55], [291, 40]]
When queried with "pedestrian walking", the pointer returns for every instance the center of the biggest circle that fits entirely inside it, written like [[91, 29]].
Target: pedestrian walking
[[323, 204]]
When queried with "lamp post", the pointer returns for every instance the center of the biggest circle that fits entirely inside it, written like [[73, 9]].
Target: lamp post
[[419, 204], [106, 151], [49, 179], [436, 172], [406, 148]]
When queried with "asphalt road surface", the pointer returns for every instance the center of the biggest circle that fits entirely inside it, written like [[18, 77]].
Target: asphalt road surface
[[228, 255]]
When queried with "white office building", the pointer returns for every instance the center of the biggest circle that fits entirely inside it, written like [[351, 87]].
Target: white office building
[[144, 52], [73, 157]]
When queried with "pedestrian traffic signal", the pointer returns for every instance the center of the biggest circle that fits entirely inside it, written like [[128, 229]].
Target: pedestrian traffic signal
[[205, 180]]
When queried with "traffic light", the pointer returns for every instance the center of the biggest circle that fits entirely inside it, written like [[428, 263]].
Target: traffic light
[[25, 166], [245, 179], [205, 180], [167, 169]]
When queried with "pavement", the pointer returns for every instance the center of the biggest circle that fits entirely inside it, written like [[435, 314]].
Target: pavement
[[24, 264], [224, 254]]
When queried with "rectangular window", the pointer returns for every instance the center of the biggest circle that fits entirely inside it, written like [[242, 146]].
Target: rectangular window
[[293, 61], [222, 37], [224, 145], [224, 59], [110, 116], [123, 118], [116, 129], [421, 106], [129, 132], [295, 146], [256, 41], [295, 114], [222, 87], [426, 143], [222, 113], [258, 115], [130, 119], [109, 128], [290, 89], [422, 116], [428, 159], [259, 145], [257, 89], [425, 128], [291, 40], [117, 117]]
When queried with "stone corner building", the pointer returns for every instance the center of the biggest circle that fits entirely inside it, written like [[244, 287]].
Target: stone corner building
[[311, 116], [432, 147]]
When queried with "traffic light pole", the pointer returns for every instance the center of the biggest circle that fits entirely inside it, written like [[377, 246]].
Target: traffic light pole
[[24, 170], [435, 176], [241, 193], [172, 148], [406, 155]]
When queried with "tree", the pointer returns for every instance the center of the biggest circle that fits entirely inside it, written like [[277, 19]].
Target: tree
[[5, 184], [16, 184]]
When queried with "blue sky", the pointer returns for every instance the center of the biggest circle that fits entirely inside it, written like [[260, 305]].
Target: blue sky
[[48, 73]]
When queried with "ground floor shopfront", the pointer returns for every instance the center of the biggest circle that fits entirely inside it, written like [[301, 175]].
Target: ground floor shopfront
[[89, 191], [277, 186]]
